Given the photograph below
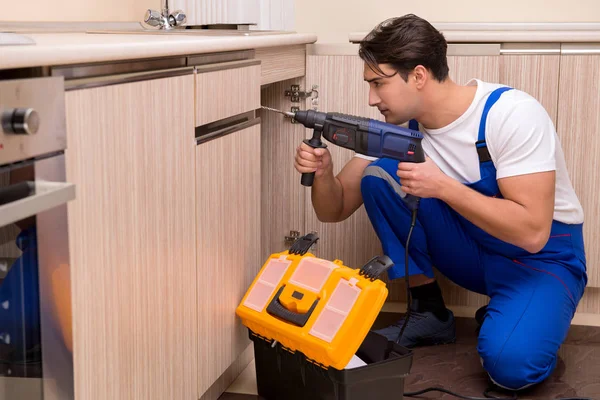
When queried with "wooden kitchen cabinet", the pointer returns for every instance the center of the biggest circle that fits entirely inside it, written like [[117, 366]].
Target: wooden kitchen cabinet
[[353, 241], [464, 68], [535, 74], [228, 223], [283, 206], [132, 239], [579, 131], [226, 89]]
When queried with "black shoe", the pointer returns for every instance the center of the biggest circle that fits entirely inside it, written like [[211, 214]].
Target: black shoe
[[422, 329]]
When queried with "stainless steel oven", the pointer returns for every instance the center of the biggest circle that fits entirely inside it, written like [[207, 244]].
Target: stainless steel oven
[[36, 356]]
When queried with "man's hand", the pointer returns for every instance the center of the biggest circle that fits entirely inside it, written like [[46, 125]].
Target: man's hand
[[422, 179], [309, 159]]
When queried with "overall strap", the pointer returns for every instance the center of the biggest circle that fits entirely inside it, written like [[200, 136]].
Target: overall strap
[[482, 151]]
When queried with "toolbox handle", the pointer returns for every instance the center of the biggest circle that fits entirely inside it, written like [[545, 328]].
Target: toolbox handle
[[277, 309]]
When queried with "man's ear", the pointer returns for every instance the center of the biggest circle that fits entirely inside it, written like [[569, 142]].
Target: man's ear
[[420, 75]]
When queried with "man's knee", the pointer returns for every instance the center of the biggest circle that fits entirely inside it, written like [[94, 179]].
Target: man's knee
[[515, 365]]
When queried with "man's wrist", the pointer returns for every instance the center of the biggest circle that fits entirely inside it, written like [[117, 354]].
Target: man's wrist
[[327, 175], [448, 189]]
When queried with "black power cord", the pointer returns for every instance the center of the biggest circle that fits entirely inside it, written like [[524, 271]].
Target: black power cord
[[489, 390]]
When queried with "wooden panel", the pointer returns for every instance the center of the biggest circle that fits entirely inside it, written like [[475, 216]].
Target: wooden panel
[[132, 240], [282, 194], [225, 93], [228, 225], [465, 68], [280, 63], [579, 132], [533, 74], [352, 241], [589, 306]]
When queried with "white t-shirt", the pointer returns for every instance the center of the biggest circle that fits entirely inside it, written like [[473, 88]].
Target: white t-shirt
[[520, 137]]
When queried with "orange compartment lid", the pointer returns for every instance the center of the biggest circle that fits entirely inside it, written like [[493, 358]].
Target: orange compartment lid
[[321, 308]]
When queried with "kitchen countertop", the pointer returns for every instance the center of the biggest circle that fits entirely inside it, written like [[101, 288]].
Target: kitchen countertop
[[62, 48], [62, 44], [507, 32]]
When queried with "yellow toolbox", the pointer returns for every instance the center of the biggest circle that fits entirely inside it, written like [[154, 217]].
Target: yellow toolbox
[[323, 309]]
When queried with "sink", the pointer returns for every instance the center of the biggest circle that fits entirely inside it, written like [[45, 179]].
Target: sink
[[190, 30]]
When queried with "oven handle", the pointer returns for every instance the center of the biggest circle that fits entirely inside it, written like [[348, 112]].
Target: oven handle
[[48, 195]]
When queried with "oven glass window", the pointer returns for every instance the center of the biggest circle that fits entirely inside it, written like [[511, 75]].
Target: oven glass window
[[20, 328]]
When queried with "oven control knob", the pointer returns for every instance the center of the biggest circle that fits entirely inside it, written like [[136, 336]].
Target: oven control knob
[[21, 121]]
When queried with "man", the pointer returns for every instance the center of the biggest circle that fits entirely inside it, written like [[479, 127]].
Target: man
[[498, 214]]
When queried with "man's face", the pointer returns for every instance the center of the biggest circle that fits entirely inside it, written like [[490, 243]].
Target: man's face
[[396, 99]]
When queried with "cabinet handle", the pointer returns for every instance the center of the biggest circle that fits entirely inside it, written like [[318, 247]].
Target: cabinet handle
[[580, 48], [201, 69], [225, 127], [26, 199], [100, 81]]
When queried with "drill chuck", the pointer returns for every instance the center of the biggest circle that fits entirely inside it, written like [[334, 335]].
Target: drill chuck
[[311, 119]]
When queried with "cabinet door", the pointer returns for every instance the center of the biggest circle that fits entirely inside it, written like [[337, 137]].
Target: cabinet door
[[341, 89], [282, 194], [579, 132], [132, 240], [465, 68], [533, 74], [228, 223]]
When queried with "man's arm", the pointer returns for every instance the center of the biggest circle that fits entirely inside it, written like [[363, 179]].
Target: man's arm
[[523, 217], [521, 141], [335, 198]]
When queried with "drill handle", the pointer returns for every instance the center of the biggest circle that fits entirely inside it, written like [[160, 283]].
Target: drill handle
[[314, 142]]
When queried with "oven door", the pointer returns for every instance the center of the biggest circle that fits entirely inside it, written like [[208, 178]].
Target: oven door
[[36, 359]]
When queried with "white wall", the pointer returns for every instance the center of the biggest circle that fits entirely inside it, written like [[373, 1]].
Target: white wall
[[75, 10], [267, 14], [332, 20]]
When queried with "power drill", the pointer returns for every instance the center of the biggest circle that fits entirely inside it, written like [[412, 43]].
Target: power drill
[[363, 135]]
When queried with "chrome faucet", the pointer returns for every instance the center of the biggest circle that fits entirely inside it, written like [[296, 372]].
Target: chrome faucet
[[165, 19]]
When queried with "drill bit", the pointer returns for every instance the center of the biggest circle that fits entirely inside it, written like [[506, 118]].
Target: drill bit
[[286, 113]]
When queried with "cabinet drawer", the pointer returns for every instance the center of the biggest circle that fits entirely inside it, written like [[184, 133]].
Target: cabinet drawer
[[227, 89]]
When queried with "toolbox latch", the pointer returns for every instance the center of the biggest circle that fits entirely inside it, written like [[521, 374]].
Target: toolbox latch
[[304, 243], [375, 267]]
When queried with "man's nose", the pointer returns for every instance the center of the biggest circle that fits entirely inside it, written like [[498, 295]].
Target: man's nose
[[373, 98]]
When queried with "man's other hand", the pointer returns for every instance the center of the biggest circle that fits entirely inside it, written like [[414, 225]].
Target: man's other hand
[[421, 179]]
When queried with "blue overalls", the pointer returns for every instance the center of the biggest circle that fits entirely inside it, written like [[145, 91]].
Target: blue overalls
[[533, 297]]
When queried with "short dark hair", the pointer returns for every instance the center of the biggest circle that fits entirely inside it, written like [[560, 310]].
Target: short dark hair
[[405, 42]]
